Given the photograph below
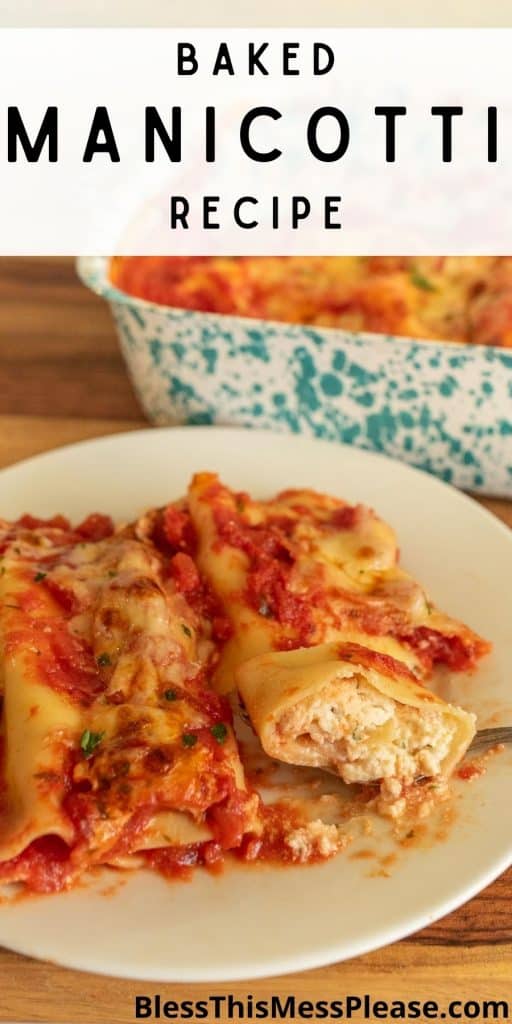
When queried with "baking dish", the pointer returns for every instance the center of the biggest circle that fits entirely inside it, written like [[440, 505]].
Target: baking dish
[[443, 406]]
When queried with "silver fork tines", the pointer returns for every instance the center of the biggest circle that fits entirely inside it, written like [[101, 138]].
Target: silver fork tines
[[486, 738]]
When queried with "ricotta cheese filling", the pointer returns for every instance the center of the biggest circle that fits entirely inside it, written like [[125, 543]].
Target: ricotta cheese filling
[[363, 736]]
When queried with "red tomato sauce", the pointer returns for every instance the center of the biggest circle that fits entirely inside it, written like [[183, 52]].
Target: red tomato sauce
[[470, 771], [199, 595], [35, 523], [95, 527], [383, 663], [58, 530], [228, 819], [178, 862], [279, 820], [271, 562], [435, 648], [174, 531], [62, 595], [63, 662], [346, 517], [44, 866]]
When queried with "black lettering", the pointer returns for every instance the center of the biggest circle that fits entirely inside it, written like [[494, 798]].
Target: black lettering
[[245, 127], [353, 1005], [492, 135], [284, 1008], [223, 60], [336, 1009], [142, 1007], [186, 62], [430, 1010], [301, 208], [289, 54], [235, 1004], [332, 207], [275, 212], [179, 210], [397, 1010], [210, 206], [101, 126], [170, 1009], [254, 58], [16, 131], [312, 134], [244, 223], [318, 50], [495, 1008], [210, 135], [447, 114], [391, 114], [305, 1009], [155, 126], [218, 1002], [380, 1009]]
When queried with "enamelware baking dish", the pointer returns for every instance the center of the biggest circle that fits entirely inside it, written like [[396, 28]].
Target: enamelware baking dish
[[445, 407]]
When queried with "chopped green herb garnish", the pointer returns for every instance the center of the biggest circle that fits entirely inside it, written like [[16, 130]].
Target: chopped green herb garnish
[[420, 281], [2, 570], [112, 572], [39, 576], [189, 739], [171, 695], [187, 631], [104, 659], [219, 731], [89, 741]]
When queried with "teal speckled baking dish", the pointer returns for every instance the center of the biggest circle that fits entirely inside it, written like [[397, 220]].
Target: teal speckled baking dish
[[444, 407]]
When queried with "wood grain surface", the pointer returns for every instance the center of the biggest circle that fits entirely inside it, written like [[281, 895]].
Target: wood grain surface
[[61, 380]]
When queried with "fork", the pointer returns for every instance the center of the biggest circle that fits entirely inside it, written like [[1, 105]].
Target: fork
[[486, 738]]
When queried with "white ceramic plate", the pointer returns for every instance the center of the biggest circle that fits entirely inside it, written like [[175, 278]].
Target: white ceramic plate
[[252, 922]]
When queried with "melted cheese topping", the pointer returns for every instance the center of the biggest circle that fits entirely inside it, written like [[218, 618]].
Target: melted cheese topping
[[107, 722], [446, 298], [305, 569]]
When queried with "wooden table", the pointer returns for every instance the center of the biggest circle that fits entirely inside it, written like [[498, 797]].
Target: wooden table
[[62, 379]]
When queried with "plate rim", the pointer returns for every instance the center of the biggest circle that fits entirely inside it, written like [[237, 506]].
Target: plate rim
[[465, 498]]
